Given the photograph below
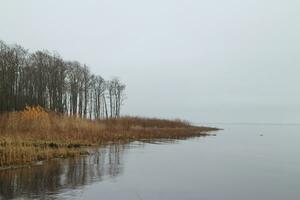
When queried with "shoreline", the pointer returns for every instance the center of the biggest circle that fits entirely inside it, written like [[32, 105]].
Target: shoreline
[[70, 149], [36, 135], [83, 150]]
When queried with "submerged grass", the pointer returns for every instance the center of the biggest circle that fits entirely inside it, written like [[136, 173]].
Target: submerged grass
[[34, 134]]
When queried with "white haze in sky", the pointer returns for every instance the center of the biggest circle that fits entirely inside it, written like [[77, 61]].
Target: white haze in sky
[[205, 61]]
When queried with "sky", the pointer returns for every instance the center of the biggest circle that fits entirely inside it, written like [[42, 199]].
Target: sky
[[205, 61]]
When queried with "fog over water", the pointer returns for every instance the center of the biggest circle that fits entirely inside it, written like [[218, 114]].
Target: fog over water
[[205, 61]]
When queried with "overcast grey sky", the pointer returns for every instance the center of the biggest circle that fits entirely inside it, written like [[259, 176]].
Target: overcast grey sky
[[205, 61]]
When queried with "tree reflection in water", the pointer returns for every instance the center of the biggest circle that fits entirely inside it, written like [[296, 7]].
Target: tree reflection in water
[[54, 176], [57, 176]]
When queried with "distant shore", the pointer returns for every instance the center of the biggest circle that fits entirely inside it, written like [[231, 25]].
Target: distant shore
[[35, 135]]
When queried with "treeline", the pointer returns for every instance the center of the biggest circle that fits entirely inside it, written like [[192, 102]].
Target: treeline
[[45, 79]]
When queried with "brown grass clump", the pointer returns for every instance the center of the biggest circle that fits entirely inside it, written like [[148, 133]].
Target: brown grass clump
[[32, 118], [35, 134]]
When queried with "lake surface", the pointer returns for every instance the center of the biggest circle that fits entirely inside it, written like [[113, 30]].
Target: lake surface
[[243, 162]]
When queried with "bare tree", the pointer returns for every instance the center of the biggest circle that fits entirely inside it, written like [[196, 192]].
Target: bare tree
[[45, 79]]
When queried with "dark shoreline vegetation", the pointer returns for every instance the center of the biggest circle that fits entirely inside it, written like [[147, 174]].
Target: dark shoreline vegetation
[[35, 135]]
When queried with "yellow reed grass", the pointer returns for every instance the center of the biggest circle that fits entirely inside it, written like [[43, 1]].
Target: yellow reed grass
[[35, 134]]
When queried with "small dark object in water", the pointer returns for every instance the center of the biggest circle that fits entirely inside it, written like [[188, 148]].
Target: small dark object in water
[[261, 135]]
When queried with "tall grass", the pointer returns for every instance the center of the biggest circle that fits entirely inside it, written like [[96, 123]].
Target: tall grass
[[35, 134]]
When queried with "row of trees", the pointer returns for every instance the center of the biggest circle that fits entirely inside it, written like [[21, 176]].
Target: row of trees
[[45, 79]]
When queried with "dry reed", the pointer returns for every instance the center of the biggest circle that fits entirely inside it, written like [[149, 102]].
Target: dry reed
[[34, 134]]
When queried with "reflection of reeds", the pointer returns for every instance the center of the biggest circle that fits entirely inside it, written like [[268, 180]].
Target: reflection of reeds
[[35, 134], [43, 181]]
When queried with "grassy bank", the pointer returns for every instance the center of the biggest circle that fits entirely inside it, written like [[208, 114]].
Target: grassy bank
[[35, 134]]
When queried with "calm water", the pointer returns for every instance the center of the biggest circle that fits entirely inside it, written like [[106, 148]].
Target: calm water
[[237, 164]]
